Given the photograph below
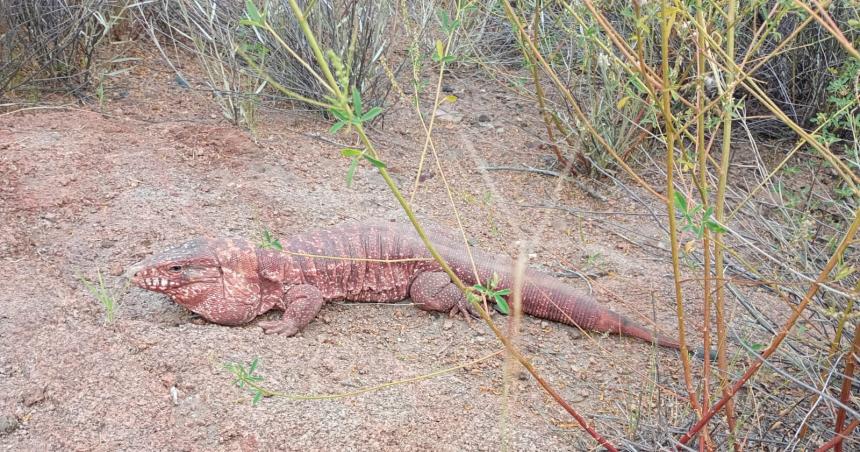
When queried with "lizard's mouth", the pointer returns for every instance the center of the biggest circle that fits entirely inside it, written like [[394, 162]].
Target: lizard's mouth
[[154, 283]]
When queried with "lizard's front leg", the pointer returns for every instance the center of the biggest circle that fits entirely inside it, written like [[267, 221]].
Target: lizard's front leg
[[302, 303]]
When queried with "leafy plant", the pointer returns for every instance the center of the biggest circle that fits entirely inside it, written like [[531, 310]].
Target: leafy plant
[[491, 293], [842, 120], [696, 218], [245, 378], [269, 241], [357, 117]]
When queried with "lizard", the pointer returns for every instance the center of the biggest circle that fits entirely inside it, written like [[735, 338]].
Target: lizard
[[231, 281]]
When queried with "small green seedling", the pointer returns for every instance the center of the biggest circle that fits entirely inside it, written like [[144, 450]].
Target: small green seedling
[[491, 293], [269, 241], [103, 295], [245, 378]]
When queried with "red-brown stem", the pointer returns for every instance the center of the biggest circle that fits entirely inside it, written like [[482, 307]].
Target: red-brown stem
[[847, 379], [837, 440], [783, 332]]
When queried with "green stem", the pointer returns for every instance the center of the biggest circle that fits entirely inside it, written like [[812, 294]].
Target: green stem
[[701, 153], [668, 118], [312, 41], [719, 214]]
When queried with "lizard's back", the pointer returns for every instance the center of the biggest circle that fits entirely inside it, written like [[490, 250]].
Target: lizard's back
[[373, 262]]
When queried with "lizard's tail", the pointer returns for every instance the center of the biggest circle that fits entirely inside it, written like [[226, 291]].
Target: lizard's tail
[[612, 322], [549, 298]]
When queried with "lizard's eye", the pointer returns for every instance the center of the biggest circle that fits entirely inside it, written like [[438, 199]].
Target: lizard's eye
[[176, 268]]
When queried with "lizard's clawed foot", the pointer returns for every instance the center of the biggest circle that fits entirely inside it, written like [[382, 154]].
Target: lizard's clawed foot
[[466, 309], [285, 327]]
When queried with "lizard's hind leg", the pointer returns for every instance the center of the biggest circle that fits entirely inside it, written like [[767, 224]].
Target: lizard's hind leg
[[434, 291]]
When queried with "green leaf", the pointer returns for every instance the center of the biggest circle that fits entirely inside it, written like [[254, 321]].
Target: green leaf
[[356, 102], [337, 126], [269, 241], [252, 12], [502, 305], [257, 396], [680, 201], [503, 292], [254, 363], [339, 114], [754, 346], [374, 162], [444, 20], [349, 152], [350, 173], [843, 273], [713, 226], [440, 51], [372, 113], [446, 23]]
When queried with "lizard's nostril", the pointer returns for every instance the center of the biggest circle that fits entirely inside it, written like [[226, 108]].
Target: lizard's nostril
[[133, 271]]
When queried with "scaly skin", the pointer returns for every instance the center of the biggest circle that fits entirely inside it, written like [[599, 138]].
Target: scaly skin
[[230, 282]]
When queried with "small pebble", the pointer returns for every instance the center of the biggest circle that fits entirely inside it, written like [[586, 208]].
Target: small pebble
[[33, 397], [174, 395], [8, 424], [116, 269], [447, 324]]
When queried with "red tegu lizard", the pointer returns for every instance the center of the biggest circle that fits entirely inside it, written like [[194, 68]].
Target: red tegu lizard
[[231, 281]]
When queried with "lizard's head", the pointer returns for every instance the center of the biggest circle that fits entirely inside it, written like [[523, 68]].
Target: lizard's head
[[214, 278], [185, 271]]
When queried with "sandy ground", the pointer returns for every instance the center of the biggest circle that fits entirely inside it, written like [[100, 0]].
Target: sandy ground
[[82, 192]]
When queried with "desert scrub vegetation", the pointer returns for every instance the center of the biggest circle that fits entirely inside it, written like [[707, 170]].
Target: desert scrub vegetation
[[733, 124], [243, 67], [689, 96], [51, 45], [685, 100], [733, 109]]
